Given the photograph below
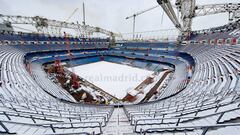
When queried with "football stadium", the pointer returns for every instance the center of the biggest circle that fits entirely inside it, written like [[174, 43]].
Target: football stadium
[[129, 67]]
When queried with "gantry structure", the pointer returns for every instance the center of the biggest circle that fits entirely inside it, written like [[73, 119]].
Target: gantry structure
[[44, 25], [189, 10]]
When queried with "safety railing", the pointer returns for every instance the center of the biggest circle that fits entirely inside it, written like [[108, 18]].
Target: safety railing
[[205, 128], [54, 127]]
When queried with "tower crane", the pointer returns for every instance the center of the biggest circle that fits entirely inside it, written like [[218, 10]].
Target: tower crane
[[137, 14]]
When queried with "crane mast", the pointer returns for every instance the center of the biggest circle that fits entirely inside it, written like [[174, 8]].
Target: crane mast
[[84, 16]]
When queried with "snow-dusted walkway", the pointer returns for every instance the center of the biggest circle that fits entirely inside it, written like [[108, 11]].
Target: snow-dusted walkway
[[118, 124]]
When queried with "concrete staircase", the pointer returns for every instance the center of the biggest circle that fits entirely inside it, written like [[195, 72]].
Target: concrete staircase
[[118, 124]]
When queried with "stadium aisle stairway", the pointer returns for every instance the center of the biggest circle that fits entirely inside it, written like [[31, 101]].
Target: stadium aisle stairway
[[118, 124]]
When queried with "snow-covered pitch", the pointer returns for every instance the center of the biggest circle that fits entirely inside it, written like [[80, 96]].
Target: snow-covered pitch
[[116, 79]]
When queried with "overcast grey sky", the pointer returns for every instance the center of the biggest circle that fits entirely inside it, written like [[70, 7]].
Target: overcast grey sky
[[108, 14]]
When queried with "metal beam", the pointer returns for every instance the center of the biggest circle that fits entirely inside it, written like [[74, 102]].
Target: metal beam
[[167, 7], [43, 24], [232, 8]]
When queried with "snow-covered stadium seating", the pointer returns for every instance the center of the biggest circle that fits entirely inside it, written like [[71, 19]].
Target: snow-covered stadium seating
[[208, 104], [28, 108]]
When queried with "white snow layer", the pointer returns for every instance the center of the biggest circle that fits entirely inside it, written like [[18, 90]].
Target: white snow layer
[[116, 79]]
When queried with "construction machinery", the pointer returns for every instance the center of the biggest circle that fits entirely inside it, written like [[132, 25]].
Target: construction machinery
[[137, 14], [189, 10], [48, 26]]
